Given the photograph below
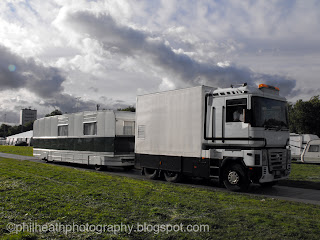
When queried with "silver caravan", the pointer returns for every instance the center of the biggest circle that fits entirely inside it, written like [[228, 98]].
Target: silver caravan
[[311, 153], [99, 138], [237, 135]]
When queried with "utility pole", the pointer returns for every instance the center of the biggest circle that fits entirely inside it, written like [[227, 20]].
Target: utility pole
[[77, 103], [4, 126]]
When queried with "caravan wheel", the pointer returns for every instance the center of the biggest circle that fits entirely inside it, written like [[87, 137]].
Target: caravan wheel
[[98, 167], [151, 173], [172, 176]]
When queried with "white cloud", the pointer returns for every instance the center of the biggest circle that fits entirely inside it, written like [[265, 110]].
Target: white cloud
[[108, 51]]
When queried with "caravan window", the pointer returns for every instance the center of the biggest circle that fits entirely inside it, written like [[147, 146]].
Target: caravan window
[[63, 130], [128, 128], [313, 148], [90, 128]]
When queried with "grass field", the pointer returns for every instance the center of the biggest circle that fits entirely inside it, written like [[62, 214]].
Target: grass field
[[305, 172], [25, 151], [299, 173], [45, 194]]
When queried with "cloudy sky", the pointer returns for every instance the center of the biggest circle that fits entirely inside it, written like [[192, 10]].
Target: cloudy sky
[[74, 54]]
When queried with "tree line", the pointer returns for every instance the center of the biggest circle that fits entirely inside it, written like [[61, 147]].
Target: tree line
[[8, 130], [304, 118]]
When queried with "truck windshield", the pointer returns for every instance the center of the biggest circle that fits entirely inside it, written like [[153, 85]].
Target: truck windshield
[[269, 113]]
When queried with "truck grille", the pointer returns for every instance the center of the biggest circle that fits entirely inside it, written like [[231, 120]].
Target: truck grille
[[278, 160]]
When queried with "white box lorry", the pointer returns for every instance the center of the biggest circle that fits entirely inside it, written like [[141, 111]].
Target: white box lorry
[[237, 135]]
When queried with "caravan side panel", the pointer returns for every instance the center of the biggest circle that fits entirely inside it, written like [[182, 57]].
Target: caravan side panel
[[98, 145]]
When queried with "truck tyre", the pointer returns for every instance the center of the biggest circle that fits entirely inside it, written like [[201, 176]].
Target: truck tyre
[[151, 173], [235, 179], [172, 176]]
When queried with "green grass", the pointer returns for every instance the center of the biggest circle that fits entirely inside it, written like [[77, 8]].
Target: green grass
[[25, 151], [302, 175], [300, 172], [305, 172], [49, 194]]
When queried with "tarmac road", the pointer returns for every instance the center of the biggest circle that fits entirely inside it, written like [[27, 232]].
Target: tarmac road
[[296, 194]]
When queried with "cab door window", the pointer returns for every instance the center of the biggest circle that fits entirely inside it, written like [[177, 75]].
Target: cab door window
[[235, 109]]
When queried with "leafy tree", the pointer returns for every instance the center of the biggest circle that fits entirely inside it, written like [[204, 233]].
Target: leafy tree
[[4, 130], [28, 126], [7, 130], [304, 116], [55, 112], [128, 109]]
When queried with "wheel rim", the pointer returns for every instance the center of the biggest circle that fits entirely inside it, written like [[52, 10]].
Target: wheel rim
[[233, 177]]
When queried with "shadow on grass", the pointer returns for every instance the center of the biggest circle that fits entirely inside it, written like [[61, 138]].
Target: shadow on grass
[[188, 180]]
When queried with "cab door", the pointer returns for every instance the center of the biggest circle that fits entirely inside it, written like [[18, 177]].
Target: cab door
[[236, 131]]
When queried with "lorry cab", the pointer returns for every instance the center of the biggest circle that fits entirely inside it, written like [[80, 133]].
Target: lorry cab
[[257, 142]]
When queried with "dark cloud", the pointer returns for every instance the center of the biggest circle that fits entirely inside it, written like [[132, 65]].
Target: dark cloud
[[71, 104], [9, 117], [285, 84], [181, 69], [17, 72], [44, 82]]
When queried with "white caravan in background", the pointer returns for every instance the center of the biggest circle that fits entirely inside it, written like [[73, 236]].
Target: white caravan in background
[[98, 138], [237, 135], [311, 153], [298, 143]]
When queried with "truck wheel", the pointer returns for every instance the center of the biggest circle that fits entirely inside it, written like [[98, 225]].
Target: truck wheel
[[151, 173], [172, 176], [235, 179]]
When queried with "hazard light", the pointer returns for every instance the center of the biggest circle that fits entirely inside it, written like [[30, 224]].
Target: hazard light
[[268, 86]]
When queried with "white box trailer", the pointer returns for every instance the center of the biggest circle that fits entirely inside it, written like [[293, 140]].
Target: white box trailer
[[237, 135], [98, 138]]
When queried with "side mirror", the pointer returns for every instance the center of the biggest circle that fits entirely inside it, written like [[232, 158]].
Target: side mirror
[[247, 115]]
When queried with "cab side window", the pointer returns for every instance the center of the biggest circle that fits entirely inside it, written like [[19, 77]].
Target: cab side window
[[235, 109]]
